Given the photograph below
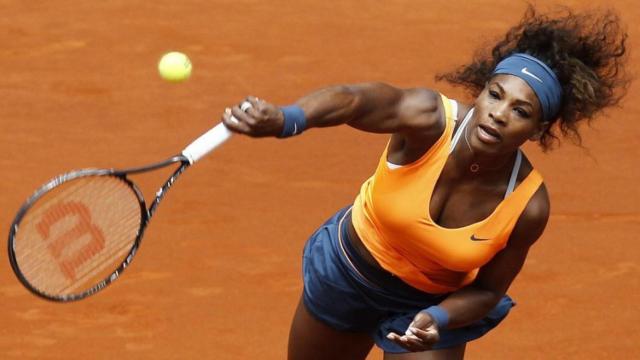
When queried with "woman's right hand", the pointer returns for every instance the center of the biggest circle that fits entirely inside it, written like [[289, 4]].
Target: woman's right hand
[[261, 119]]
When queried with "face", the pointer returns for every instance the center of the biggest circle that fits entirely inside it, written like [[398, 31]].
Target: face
[[507, 114]]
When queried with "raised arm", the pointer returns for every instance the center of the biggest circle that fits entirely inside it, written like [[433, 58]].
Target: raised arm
[[372, 107]]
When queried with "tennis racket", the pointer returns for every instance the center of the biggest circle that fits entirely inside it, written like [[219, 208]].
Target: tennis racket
[[78, 232]]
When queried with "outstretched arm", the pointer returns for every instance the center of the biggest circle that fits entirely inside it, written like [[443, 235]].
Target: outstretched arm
[[372, 107]]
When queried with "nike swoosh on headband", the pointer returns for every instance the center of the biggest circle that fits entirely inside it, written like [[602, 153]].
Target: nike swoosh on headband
[[526, 72], [474, 238]]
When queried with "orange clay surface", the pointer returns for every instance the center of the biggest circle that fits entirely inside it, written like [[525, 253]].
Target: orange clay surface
[[218, 274]]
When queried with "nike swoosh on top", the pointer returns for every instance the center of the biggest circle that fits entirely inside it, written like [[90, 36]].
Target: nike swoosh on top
[[525, 71], [474, 238], [295, 128]]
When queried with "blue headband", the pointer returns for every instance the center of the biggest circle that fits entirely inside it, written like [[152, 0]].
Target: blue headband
[[540, 78]]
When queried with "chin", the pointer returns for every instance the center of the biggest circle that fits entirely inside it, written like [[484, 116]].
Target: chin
[[483, 144], [489, 145]]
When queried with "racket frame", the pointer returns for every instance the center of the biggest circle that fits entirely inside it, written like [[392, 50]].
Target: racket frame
[[145, 217], [196, 150]]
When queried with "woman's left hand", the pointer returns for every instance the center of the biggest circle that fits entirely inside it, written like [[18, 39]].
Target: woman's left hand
[[421, 334]]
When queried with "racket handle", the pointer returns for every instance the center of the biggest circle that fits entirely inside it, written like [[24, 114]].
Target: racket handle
[[206, 143]]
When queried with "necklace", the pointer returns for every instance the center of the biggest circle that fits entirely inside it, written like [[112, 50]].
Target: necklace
[[475, 167]]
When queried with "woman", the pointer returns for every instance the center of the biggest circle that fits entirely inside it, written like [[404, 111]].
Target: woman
[[421, 262]]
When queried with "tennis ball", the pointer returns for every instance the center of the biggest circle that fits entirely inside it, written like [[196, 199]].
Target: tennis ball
[[174, 66]]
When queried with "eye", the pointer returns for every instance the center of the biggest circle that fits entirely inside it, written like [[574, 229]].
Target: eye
[[522, 112], [494, 94]]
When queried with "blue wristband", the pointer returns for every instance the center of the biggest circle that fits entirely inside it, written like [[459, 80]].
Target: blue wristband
[[294, 121], [439, 315]]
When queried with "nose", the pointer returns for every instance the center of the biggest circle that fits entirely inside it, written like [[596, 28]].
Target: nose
[[499, 113]]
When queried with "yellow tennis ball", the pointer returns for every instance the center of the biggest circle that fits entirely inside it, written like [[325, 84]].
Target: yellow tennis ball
[[174, 66]]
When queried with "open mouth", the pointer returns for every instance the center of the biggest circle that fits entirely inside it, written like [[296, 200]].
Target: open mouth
[[488, 134]]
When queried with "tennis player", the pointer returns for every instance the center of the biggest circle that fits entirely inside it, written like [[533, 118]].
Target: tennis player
[[421, 262]]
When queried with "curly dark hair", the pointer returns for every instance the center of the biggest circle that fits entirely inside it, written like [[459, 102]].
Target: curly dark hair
[[586, 51]]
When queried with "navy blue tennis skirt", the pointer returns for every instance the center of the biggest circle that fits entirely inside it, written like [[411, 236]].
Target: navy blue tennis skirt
[[348, 294]]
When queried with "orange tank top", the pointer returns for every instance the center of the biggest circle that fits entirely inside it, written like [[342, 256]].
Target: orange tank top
[[391, 217]]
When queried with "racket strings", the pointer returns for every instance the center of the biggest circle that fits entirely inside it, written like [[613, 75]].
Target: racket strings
[[76, 234], [60, 210]]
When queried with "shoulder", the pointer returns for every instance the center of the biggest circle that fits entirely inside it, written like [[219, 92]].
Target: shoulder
[[463, 110], [419, 102], [421, 113], [533, 220]]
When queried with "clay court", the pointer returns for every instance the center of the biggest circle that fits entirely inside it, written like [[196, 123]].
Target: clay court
[[218, 273]]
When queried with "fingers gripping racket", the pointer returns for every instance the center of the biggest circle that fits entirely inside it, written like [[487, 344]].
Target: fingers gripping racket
[[78, 232]]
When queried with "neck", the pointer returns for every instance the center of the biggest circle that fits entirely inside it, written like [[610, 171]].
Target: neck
[[478, 164]]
